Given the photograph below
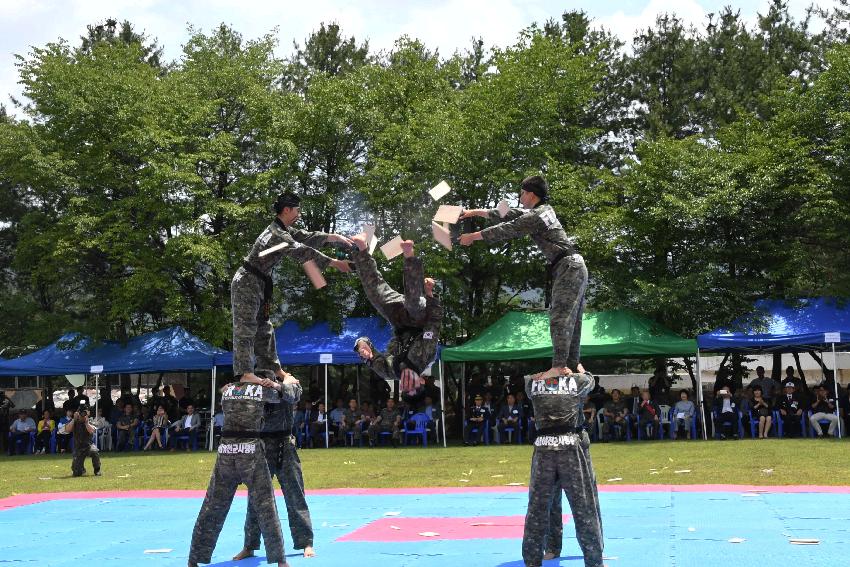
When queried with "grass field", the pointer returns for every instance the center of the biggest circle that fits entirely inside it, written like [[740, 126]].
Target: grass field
[[788, 461]]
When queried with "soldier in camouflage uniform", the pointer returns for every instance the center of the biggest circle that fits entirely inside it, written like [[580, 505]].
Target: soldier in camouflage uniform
[[569, 274], [415, 317], [241, 459], [251, 288], [388, 420], [283, 462], [83, 432], [561, 461]]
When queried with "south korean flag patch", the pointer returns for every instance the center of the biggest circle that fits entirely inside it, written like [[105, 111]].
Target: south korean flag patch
[[428, 335]]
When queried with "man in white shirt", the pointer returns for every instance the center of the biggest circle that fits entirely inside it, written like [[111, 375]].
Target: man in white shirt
[[20, 432], [187, 425]]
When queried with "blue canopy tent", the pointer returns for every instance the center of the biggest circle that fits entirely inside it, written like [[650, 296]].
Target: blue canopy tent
[[318, 344], [779, 326], [68, 355]]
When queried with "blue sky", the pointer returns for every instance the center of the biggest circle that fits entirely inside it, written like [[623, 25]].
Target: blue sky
[[445, 24]]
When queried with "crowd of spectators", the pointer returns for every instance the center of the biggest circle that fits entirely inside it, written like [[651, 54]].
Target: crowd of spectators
[[765, 407], [162, 422]]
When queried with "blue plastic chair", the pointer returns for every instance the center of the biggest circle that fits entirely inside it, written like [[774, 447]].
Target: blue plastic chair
[[823, 423], [714, 418], [420, 427], [674, 428], [780, 424], [486, 434], [29, 443], [514, 431], [191, 437]]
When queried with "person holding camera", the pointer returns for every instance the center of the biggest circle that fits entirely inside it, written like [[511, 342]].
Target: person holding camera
[[83, 432]]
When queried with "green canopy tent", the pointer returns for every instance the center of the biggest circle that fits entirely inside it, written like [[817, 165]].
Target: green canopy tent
[[604, 334]]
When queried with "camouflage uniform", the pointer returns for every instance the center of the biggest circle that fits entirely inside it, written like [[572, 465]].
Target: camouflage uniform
[[569, 274], [283, 462], [240, 460], [561, 461], [387, 423], [251, 291], [349, 419], [83, 448], [415, 318]]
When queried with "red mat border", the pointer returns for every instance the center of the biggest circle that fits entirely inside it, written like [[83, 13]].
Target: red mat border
[[35, 498]]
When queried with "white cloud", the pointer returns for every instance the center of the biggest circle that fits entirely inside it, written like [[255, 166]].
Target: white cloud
[[626, 26]]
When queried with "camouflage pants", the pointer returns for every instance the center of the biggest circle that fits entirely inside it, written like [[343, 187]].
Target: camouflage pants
[[229, 472], [253, 333], [570, 469], [287, 468], [78, 464], [376, 428], [569, 282]]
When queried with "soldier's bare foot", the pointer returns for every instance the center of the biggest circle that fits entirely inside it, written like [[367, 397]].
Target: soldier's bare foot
[[549, 555], [429, 287], [580, 368], [553, 372], [309, 551], [407, 248], [359, 240], [244, 554]]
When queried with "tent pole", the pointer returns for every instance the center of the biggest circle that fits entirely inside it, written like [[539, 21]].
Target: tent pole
[[97, 393], [442, 403], [699, 397], [835, 384], [358, 385], [327, 434], [463, 389], [211, 424]]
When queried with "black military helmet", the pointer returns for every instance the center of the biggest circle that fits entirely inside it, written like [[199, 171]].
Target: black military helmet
[[537, 185], [286, 199]]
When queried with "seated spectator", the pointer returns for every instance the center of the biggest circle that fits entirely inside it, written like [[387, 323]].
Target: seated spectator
[[614, 413], [768, 385], [528, 415], [823, 408], [159, 424], [478, 419], [20, 432], [63, 438], [45, 432], [126, 426], [727, 414], [633, 401], [367, 416], [389, 420], [337, 421], [186, 425], [510, 415], [318, 425], [103, 430], [172, 406], [218, 423], [589, 411], [650, 415], [790, 410], [683, 415], [349, 422], [760, 410]]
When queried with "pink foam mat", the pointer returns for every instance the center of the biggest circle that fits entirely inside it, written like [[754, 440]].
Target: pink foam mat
[[26, 499], [411, 529]]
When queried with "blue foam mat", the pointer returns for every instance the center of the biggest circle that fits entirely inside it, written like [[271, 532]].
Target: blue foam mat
[[641, 528]]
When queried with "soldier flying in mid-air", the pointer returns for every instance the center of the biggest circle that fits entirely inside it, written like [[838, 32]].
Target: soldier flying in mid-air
[[415, 317]]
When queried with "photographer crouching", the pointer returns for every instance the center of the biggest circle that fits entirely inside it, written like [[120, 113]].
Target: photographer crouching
[[83, 433]]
